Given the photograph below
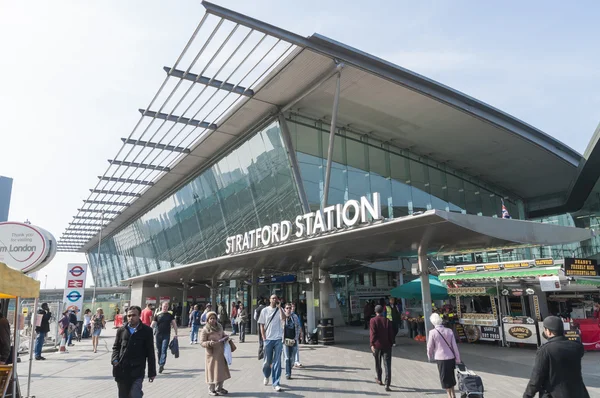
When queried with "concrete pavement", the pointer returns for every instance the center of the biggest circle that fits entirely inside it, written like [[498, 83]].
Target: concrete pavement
[[345, 369]]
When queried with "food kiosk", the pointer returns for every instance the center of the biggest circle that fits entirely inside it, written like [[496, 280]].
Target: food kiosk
[[15, 285], [574, 298], [506, 300], [477, 312]]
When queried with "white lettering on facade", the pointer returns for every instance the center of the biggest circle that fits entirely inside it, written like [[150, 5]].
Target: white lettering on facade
[[350, 214]]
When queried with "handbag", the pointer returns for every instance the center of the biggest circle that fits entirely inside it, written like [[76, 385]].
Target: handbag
[[289, 342], [233, 346]]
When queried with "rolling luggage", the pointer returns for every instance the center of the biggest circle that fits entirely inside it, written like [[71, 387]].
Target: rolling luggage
[[469, 384]]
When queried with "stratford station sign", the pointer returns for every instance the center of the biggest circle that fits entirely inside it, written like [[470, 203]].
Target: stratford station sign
[[332, 218]]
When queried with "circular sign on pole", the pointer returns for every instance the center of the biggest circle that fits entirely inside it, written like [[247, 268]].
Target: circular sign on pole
[[25, 247], [76, 271], [74, 296]]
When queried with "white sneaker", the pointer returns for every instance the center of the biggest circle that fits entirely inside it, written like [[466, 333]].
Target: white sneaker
[[266, 381], [277, 388], [191, 342]]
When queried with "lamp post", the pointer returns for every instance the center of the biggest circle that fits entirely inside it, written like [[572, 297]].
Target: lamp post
[[99, 261]]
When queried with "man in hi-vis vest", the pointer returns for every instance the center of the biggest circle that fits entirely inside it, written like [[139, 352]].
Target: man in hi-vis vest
[[392, 313]]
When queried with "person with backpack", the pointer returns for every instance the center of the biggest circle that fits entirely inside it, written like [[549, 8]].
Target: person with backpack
[[195, 324], [42, 328], [441, 347]]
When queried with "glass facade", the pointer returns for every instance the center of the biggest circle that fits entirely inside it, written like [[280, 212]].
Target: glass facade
[[249, 187], [252, 186], [407, 183]]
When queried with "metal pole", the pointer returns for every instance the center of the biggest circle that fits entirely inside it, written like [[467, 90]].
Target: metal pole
[[287, 141], [98, 264], [425, 288], [15, 378], [31, 344], [332, 128], [500, 327]]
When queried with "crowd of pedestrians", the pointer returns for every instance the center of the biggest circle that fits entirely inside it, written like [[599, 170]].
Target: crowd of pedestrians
[[556, 373]]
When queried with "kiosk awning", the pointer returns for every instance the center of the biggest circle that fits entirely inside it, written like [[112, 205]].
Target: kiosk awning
[[16, 284], [506, 274]]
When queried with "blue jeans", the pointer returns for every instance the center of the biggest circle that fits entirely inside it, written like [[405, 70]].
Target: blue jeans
[[69, 338], [289, 354], [194, 332], [272, 360], [162, 345], [39, 343]]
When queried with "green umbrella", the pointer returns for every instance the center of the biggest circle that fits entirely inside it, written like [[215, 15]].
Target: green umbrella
[[412, 289]]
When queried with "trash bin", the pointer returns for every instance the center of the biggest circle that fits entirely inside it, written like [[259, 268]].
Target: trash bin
[[326, 331]]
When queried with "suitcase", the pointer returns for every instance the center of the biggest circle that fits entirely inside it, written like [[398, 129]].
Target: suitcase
[[469, 384]]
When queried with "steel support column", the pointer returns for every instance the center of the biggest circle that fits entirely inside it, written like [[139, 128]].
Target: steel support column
[[287, 141], [316, 276], [213, 295], [185, 308], [254, 298], [425, 288], [332, 128]]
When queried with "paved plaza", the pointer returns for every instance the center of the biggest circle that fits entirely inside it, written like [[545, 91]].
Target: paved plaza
[[345, 369]]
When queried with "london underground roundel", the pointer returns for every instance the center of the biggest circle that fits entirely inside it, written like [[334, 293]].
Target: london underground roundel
[[25, 247]]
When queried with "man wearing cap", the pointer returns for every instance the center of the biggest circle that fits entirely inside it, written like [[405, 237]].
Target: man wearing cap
[[557, 368]]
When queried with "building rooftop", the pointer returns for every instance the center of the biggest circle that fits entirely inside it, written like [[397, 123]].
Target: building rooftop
[[237, 73]]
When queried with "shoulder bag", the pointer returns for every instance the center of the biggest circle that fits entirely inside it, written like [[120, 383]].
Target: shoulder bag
[[446, 341]]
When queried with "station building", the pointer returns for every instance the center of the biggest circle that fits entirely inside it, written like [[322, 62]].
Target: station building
[[255, 128]]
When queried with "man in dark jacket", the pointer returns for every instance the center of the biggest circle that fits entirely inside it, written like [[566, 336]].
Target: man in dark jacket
[[133, 346], [557, 369], [382, 338], [42, 330], [72, 320]]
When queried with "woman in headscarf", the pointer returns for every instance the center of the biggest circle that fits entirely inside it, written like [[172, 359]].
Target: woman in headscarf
[[213, 339]]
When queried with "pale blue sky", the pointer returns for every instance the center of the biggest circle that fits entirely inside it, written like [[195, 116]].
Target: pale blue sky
[[73, 74]]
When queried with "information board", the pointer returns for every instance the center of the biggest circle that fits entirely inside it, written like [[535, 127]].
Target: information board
[[581, 267]]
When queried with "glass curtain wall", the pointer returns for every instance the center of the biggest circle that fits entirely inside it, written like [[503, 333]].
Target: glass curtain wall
[[250, 187], [407, 183]]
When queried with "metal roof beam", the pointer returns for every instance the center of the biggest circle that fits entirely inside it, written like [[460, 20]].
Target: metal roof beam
[[125, 180], [209, 82], [118, 193], [91, 218], [101, 211], [139, 165], [106, 202], [179, 119], [87, 224], [156, 145]]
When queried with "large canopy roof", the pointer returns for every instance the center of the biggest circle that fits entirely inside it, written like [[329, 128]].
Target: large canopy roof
[[237, 73], [438, 231]]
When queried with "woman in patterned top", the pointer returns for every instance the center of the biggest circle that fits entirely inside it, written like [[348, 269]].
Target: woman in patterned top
[[98, 323]]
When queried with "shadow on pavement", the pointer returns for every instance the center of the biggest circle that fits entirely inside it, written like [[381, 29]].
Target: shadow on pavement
[[482, 358]]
